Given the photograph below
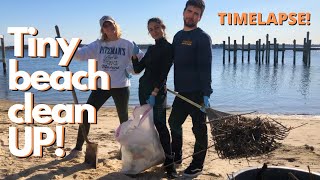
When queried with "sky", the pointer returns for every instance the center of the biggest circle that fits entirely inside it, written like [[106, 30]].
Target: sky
[[80, 18]]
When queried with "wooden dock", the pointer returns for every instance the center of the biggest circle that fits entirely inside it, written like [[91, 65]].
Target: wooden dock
[[3, 50], [262, 51]]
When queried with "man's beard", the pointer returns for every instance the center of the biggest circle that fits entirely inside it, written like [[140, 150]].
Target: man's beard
[[190, 24]]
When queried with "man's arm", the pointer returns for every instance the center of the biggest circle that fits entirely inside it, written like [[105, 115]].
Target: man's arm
[[204, 63]]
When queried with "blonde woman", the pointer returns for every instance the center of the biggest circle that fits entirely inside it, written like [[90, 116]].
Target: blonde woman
[[113, 55]]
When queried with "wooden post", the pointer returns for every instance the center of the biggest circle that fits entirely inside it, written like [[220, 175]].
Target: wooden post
[[309, 53], [256, 56], [277, 51], [269, 44], [274, 50], [304, 51], [229, 47], [3, 55], [267, 40], [262, 52], [235, 51], [248, 52], [259, 50], [307, 48], [242, 47], [294, 52], [224, 49], [266, 52], [282, 60]]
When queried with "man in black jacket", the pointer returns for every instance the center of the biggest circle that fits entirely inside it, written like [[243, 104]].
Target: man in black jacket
[[192, 79]]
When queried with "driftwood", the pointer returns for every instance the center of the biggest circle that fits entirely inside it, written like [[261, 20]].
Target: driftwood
[[237, 136]]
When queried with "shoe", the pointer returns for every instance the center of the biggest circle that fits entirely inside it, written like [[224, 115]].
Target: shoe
[[169, 167], [74, 153], [192, 171], [171, 171]]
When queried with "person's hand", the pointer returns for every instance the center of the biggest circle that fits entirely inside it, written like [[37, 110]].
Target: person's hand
[[127, 74], [206, 103], [151, 100], [136, 49]]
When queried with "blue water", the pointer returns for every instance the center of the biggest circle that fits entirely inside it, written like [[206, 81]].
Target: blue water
[[242, 87]]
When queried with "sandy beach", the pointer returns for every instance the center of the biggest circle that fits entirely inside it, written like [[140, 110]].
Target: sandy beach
[[299, 150]]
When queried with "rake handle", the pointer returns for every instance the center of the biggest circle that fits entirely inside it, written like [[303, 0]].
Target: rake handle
[[185, 99], [74, 95]]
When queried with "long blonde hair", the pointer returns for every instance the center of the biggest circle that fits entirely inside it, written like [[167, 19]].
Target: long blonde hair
[[104, 37]]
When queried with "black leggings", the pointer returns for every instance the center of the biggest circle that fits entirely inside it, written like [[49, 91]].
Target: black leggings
[[97, 98], [159, 116]]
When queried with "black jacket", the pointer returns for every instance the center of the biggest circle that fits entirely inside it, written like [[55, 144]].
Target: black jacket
[[157, 63]]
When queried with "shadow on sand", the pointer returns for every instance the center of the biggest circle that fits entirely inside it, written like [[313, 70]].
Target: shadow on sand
[[58, 170]]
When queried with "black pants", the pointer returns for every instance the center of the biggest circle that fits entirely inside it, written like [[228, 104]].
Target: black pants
[[159, 115], [179, 113], [97, 98]]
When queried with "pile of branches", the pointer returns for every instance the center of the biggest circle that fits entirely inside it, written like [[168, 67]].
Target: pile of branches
[[238, 136]]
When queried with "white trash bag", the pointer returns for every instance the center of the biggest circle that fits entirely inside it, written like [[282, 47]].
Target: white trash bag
[[141, 147]]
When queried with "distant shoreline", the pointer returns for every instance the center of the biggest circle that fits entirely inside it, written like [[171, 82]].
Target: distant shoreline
[[214, 46]]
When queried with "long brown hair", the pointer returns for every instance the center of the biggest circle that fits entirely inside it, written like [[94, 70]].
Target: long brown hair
[[159, 21]]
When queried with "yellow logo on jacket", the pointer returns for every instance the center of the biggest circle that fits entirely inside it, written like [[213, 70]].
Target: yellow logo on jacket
[[186, 42]]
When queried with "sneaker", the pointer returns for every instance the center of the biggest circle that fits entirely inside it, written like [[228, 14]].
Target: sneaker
[[169, 166], [192, 171], [171, 172], [74, 153]]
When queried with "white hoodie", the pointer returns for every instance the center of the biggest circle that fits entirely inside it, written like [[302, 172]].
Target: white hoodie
[[113, 57]]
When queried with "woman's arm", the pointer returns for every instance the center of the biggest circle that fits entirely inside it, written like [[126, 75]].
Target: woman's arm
[[87, 52], [139, 66]]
